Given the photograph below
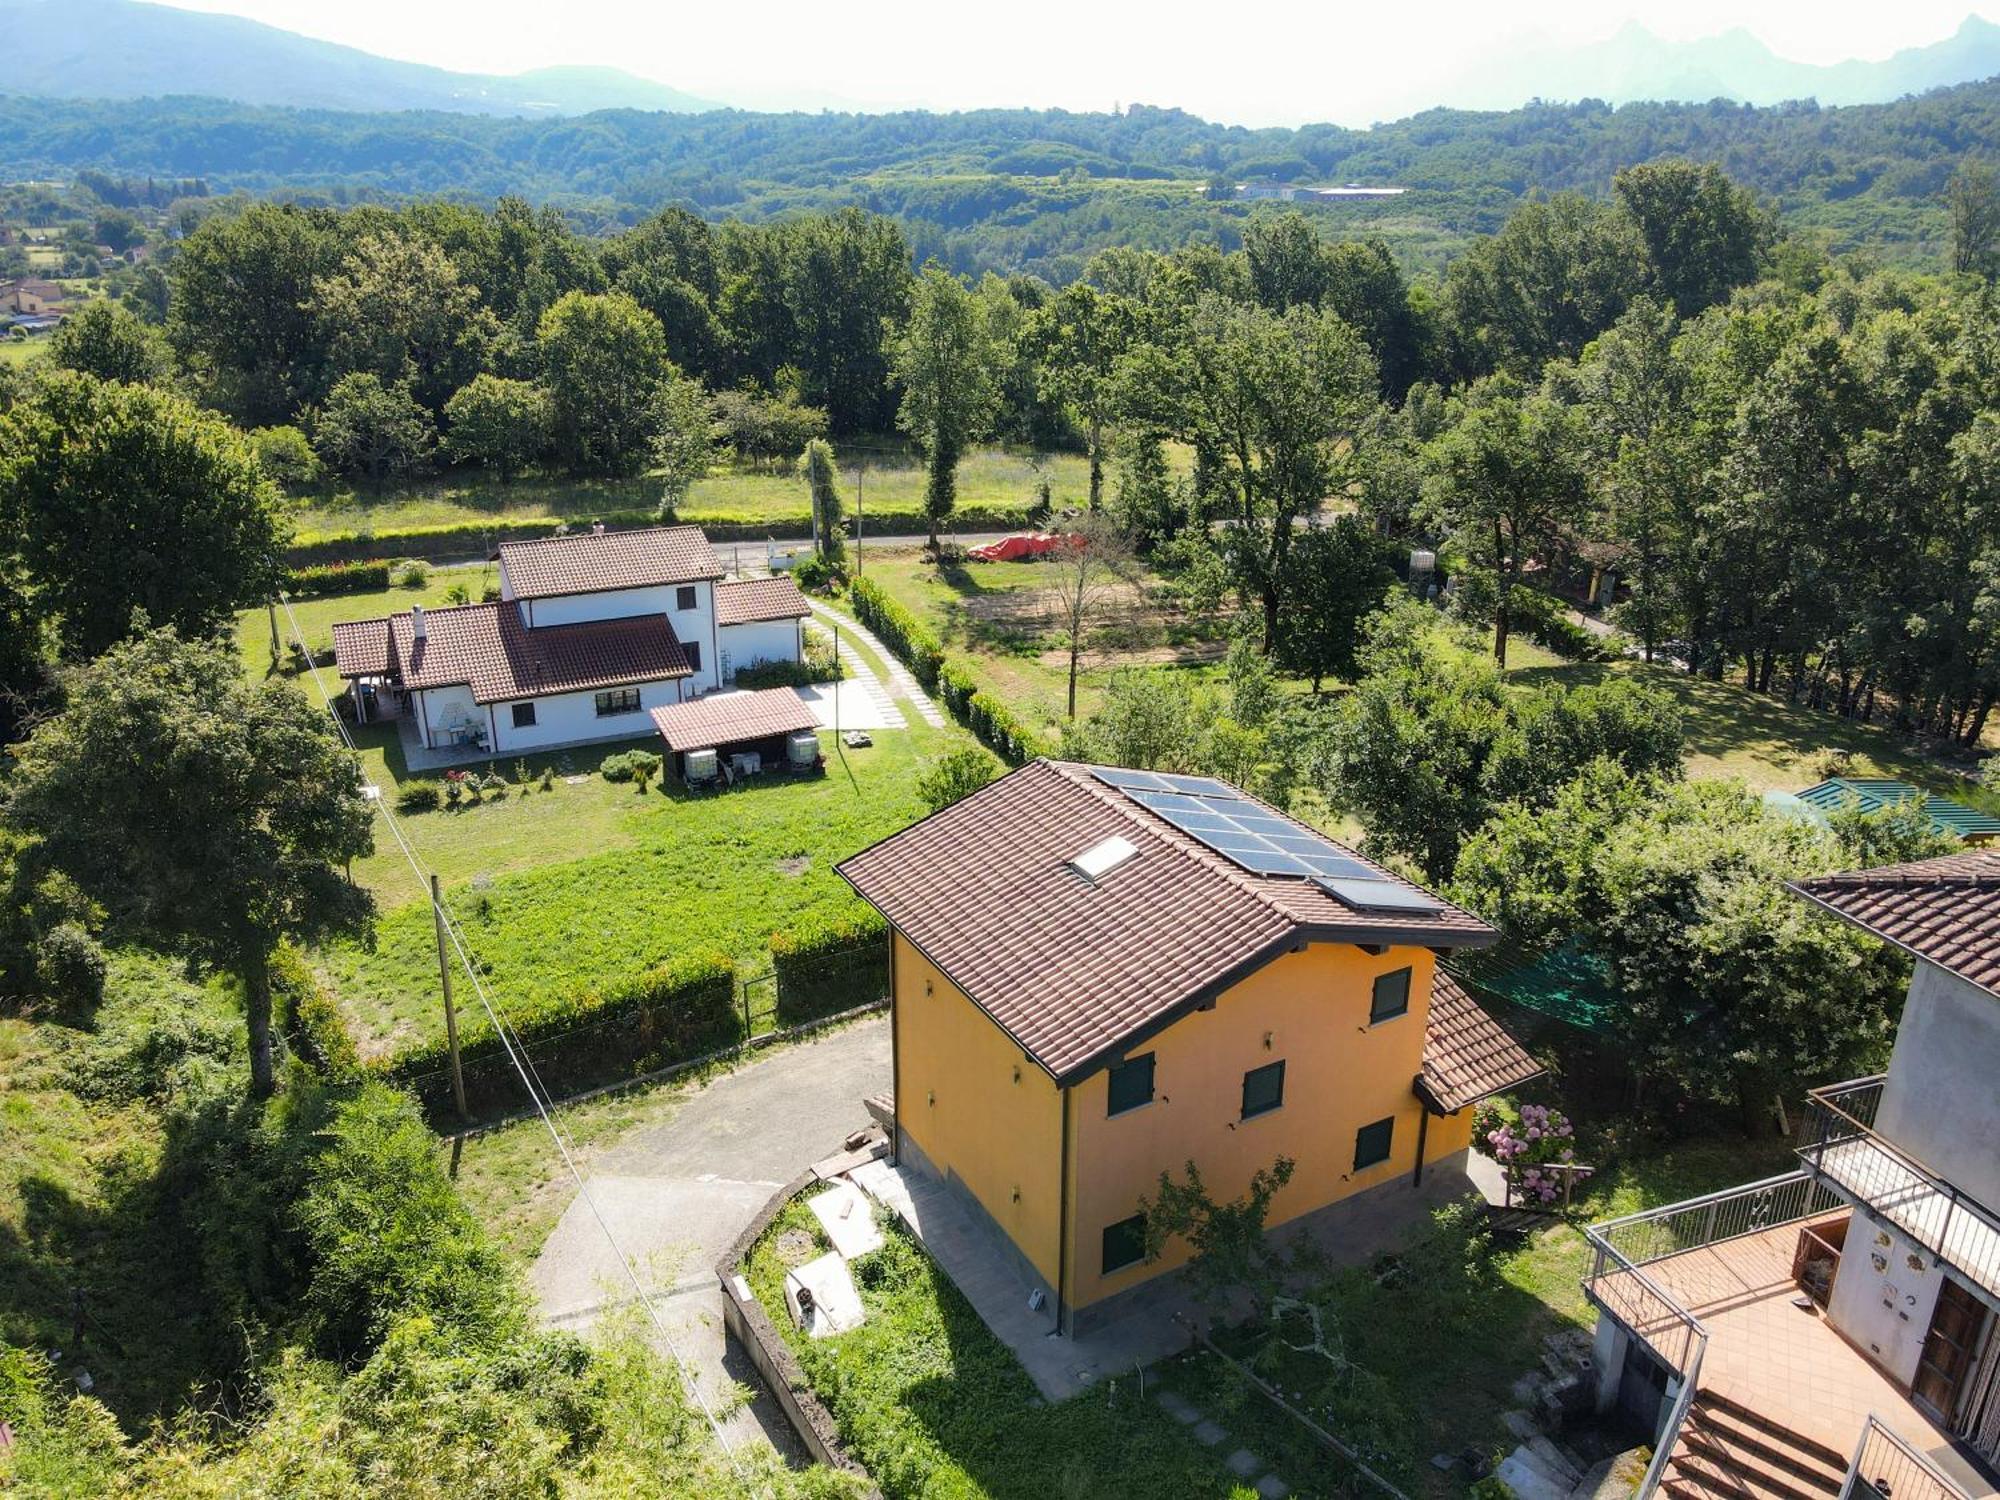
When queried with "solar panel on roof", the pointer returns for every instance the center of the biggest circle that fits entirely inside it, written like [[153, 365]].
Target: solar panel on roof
[[1130, 781], [1268, 862], [1202, 786], [1378, 895], [1169, 802]]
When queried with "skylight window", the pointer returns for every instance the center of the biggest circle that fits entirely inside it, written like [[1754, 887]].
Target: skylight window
[[1101, 859]]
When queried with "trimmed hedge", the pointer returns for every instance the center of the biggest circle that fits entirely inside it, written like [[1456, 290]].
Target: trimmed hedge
[[581, 1038], [309, 1018], [918, 648], [830, 965], [323, 579], [458, 538]]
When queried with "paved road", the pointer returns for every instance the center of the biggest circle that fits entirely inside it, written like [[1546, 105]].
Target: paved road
[[677, 1193]]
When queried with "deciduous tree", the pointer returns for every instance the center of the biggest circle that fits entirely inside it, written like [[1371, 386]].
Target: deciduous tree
[[603, 360], [944, 362], [371, 431], [209, 817]]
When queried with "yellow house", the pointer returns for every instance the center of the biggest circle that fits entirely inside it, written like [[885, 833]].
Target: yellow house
[[1100, 974]]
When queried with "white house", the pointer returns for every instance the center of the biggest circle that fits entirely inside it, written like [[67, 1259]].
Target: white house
[[590, 634]]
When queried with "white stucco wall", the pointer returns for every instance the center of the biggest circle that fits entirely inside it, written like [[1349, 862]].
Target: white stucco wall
[[444, 706], [1942, 1101], [571, 718], [1884, 1296], [691, 626], [760, 640]]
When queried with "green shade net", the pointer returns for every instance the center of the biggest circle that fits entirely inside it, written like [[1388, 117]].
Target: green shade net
[[1569, 984]]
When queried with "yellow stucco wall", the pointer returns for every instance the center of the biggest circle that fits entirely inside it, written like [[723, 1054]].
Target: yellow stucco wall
[[1309, 1008], [978, 1107]]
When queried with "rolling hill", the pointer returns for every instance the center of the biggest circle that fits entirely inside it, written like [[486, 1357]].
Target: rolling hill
[[126, 49]]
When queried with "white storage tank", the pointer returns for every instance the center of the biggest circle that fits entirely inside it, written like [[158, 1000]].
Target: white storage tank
[[699, 765], [802, 749]]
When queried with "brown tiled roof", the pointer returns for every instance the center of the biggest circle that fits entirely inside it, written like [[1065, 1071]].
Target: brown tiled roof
[[361, 647], [486, 647], [1468, 1056], [1075, 970], [591, 562], [744, 600], [1945, 910], [731, 718]]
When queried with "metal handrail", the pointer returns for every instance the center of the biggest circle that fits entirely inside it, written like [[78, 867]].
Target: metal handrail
[[1829, 1133], [1902, 1454], [1683, 1226]]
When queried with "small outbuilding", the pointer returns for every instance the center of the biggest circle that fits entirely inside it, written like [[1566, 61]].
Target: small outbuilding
[[725, 735], [1872, 793]]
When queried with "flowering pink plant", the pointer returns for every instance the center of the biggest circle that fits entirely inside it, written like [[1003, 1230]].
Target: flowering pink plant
[[1534, 1147]]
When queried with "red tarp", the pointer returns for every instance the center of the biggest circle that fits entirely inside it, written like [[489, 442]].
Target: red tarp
[[1022, 544]]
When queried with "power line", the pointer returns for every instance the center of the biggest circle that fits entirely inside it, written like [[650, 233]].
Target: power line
[[517, 1054]]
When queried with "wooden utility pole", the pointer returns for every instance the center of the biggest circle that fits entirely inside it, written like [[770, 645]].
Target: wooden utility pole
[[860, 473], [272, 606], [450, 1010]]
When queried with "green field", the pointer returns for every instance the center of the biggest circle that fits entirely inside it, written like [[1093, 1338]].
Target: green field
[[891, 479], [21, 351], [590, 879]]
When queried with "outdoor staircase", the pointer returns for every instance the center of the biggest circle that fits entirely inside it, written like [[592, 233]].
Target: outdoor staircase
[[1729, 1452]]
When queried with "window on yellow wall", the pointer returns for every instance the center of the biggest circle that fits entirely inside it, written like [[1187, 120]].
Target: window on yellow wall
[[1372, 1142], [1124, 1243], [1263, 1089], [1392, 997], [1130, 1085]]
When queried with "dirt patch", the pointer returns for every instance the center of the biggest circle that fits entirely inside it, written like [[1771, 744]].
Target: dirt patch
[[795, 867], [794, 1246], [1194, 654]]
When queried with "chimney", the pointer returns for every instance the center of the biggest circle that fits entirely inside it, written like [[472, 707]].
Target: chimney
[[597, 528], [416, 622]]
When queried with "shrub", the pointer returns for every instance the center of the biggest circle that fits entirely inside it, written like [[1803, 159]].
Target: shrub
[[627, 766], [953, 777], [586, 1036], [1542, 620], [903, 633], [818, 575], [766, 427], [286, 456], [419, 796], [412, 575], [338, 578], [310, 1018], [830, 965], [70, 966]]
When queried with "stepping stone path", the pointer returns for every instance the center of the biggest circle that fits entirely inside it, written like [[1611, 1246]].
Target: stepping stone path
[[901, 682], [1212, 1434]]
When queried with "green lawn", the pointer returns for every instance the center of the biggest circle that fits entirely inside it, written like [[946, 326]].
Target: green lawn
[[20, 351], [935, 1406], [745, 493], [591, 879], [1767, 743]]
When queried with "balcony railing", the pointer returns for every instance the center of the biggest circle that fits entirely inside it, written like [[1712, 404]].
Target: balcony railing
[[1618, 1284], [1843, 1149], [1885, 1465]]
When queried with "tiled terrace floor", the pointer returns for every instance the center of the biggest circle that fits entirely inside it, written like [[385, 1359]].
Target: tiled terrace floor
[[1786, 1363]]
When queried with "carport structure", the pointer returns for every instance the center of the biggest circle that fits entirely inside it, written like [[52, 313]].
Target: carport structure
[[730, 723]]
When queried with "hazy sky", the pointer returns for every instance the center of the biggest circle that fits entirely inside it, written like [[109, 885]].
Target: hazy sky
[[1245, 61]]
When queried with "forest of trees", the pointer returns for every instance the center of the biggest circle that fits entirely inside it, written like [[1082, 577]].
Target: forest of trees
[[1039, 191]]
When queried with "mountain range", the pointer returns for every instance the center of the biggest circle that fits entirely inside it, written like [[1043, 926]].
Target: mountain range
[[125, 49], [1633, 64], [131, 49]]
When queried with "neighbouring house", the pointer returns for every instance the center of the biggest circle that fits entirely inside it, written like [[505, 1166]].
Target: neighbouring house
[[591, 632], [29, 296], [1098, 975], [1835, 1331], [1871, 794]]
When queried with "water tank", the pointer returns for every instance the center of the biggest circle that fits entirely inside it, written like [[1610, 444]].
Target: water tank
[[802, 749], [699, 765], [1423, 560], [745, 763]]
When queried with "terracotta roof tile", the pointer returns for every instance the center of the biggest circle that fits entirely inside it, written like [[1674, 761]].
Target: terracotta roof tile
[[486, 647], [1944, 910], [1074, 969], [742, 601], [1468, 1056], [731, 718], [591, 562]]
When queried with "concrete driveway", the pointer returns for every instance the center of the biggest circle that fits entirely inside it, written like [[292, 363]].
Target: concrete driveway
[[675, 1194]]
